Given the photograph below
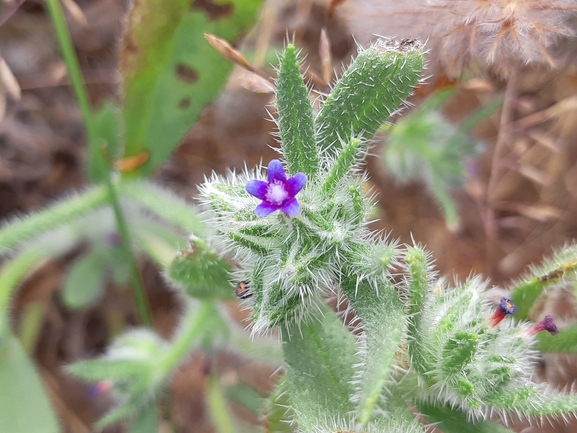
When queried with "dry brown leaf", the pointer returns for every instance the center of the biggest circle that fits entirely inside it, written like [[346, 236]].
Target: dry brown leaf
[[326, 56], [8, 80], [253, 82], [228, 51]]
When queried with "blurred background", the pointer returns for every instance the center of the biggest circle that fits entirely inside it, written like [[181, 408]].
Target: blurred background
[[482, 168]]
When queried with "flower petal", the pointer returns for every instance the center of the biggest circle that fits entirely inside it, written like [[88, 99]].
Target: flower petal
[[257, 188], [296, 183], [291, 207], [276, 171], [265, 209]]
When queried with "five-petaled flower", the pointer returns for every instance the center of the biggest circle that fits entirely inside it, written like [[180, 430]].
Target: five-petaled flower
[[279, 192], [505, 307]]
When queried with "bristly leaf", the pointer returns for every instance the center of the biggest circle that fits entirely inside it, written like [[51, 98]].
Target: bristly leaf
[[345, 161], [85, 281], [383, 320], [375, 84], [320, 358], [562, 266], [564, 342], [454, 421], [295, 117], [278, 412], [418, 286]]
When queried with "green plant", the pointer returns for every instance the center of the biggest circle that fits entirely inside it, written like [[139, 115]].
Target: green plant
[[421, 344]]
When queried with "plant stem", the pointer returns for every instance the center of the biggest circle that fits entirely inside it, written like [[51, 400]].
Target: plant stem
[[491, 196], [65, 41]]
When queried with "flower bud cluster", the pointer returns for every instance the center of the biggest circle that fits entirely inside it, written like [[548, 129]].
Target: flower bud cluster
[[291, 260]]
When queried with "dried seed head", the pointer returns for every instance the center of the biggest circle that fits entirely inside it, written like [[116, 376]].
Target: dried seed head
[[503, 33]]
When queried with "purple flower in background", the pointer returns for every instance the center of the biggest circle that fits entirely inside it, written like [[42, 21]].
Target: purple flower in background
[[546, 324], [279, 192]]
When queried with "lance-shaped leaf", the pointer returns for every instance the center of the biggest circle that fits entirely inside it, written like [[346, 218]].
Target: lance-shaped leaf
[[372, 88], [454, 421], [383, 320], [85, 281], [171, 72], [278, 411], [562, 266], [417, 287], [530, 401], [320, 356], [20, 230], [24, 406], [399, 418], [295, 117], [564, 342]]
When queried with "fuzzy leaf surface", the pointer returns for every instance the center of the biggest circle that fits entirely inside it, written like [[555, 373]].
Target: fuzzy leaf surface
[[278, 412], [564, 342], [383, 319], [24, 405], [295, 117], [320, 356], [85, 281], [171, 72], [454, 421], [372, 88]]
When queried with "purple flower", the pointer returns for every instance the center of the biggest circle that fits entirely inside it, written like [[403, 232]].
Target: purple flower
[[279, 192], [546, 324], [506, 307]]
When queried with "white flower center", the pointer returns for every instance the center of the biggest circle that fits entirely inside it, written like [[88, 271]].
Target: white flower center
[[276, 194]]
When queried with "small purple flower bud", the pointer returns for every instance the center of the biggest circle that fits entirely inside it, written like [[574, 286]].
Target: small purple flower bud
[[279, 192], [100, 388], [505, 307], [546, 324], [114, 239]]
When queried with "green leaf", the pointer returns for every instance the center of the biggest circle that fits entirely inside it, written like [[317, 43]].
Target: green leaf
[[20, 230], [24, 405], [109, 369], [18, 268], [201, 273], [399, 419], [171, 73], [564, 342], [145, 420], [459, 351], [418, 287], [108, 129], [278, 413], [218, 407], [562, 266], [372, 88], [163, 203], [530, 401], [383, 318], [321, 356], [84, 283], [345, 161], [295, 117], [454, 421]]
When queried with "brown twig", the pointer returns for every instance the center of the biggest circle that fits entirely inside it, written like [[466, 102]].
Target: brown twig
[[502, 138]]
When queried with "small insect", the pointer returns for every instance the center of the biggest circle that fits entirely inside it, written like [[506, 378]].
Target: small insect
[[553, 275], [243, 290]]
